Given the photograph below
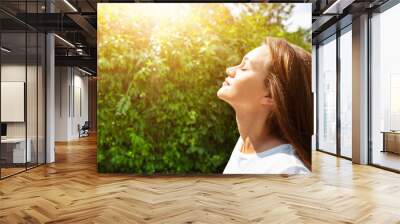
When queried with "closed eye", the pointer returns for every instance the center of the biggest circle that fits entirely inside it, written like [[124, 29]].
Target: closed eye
[[243, 65]]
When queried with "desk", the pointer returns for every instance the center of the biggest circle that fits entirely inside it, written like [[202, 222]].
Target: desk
[[391, 141], [16, 147]]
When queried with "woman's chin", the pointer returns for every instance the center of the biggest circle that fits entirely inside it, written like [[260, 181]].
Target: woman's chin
[[221, 93]]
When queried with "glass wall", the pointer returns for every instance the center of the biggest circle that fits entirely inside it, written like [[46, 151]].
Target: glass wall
[[345, 92], [22, 91], [327, 95], [385, 89], [13, 91]]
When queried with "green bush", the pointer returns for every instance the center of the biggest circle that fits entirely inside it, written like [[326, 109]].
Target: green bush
[[157, 106]]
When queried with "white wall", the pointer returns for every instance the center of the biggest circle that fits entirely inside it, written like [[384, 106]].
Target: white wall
[[71, 87], [15, 72], [62, 81], [80, 103]]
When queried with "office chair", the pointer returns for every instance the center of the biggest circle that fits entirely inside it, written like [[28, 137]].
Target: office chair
[[84, 130]]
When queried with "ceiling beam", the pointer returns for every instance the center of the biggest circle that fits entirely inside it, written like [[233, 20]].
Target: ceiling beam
[[82, 61], [337, 7], [321, 22], [86, 26]]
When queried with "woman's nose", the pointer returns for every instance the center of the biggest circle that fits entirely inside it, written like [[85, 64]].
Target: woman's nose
[[230, 71]]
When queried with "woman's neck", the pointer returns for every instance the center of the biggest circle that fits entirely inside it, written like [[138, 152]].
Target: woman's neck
[[254, 131]]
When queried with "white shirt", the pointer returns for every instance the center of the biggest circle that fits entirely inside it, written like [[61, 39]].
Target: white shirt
[[278, 160]]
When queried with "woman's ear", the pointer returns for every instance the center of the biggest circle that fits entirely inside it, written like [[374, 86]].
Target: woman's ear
[[267, 101]]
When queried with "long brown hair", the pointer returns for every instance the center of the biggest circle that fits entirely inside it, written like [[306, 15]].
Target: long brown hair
[[288, 81]]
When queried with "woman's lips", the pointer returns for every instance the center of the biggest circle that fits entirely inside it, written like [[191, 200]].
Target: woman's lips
[[226, 83]]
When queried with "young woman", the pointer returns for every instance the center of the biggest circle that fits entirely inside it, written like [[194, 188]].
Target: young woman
[[270, 92]]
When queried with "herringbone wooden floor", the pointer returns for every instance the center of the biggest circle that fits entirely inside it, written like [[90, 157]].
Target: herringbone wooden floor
[[71, 191]]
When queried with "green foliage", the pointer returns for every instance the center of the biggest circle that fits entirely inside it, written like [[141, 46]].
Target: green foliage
[[157, 106]]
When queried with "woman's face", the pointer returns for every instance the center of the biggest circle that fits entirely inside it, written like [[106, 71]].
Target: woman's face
[[245, 83]]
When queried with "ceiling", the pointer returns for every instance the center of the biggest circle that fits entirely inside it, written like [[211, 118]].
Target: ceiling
[[76, 22], [330, 15]]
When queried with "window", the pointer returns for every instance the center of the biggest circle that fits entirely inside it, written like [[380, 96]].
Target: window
[[385, 89], [346, 92], [327, 95]]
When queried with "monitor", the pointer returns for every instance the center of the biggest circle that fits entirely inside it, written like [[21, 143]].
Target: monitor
[[3, 129]]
